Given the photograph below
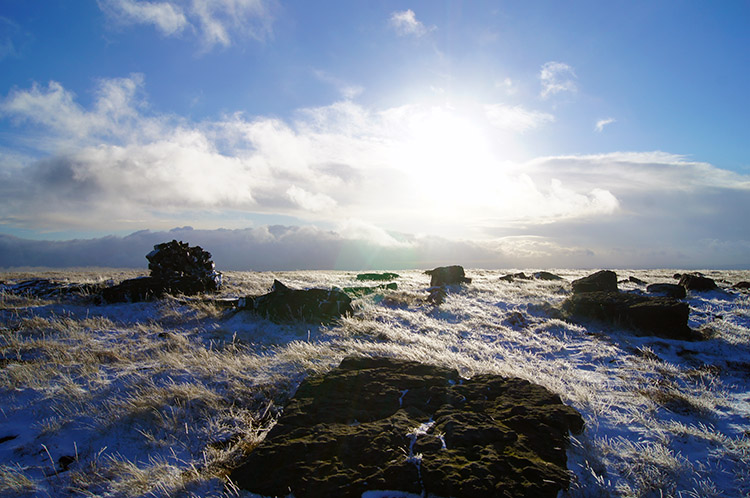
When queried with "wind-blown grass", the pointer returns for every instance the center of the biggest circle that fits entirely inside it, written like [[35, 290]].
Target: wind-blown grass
[[163, 398]]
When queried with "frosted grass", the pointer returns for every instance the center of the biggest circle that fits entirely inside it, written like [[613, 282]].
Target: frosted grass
[[163, 398]]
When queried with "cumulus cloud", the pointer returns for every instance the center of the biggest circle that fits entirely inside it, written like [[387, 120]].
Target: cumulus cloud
[[405, 23], [602, 123], [216, 22], [516, 118], [557, 77], [433, 169]]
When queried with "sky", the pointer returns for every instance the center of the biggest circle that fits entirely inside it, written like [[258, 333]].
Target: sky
[[346, 134]]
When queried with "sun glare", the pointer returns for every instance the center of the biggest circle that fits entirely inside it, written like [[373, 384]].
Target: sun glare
[[448, 158]]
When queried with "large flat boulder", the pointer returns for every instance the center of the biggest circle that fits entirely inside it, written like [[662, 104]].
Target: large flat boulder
[[659, 316], [696, 282], [669, 290], [377, 276], [388, 424], [604, 280], [447, 275], [283, 304]]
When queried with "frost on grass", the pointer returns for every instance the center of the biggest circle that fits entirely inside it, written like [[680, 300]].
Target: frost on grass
[[164, 398]]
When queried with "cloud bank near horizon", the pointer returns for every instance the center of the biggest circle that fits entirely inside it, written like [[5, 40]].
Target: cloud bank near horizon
[[278, 248], [459, 173]]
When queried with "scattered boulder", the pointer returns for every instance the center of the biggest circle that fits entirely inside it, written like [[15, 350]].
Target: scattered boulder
[[387, 424], [283, 304], [545, 275], [447, 275], [697, 282], [659, 316], [377, 276], [515, 276], [604, 280], [669, 290], [176, 268], [636, 280], [741, 285]]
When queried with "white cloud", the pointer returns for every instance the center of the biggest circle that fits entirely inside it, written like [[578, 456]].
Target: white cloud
[[216, 22], [309, 201], [345, 89], [516, 118], [406, 24], [557, 77], [415, 168], [602, 123], [508, 85], [167, 17]]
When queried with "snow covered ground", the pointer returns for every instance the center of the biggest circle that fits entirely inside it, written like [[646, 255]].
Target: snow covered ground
[[162, 398]]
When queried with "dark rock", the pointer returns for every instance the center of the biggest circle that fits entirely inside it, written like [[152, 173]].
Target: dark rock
[[659, 316], [437, 295], [545, 275], [697, 282], [283, 304], [65, 462], [669, 290], [677, 276], [365, 291], [604, 280], [387, 424], [636, 280], [515, 276], [377, 276], [447, 275], [149, 288], [741, 285], [176, 268]]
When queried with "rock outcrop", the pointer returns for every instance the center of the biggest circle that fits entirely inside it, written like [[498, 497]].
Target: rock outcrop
[[512, 277], [697, 282], [659, 316], [387, 424], [669, 290], [447, 275], [283, 304], [545, 275], [604, 280], [377, 276]]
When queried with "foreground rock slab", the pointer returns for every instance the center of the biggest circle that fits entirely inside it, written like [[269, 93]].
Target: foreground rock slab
[[387, 424], [283, 304]]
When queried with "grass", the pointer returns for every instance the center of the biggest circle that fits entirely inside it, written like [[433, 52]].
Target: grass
[[163, 398]]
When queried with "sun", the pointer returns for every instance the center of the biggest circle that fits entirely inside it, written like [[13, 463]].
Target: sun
[[447, 156]]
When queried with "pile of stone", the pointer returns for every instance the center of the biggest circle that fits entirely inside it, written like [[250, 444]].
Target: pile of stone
[[176, 268]]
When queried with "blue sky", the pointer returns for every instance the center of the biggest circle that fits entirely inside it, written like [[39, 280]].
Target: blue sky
[[545, 133]]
